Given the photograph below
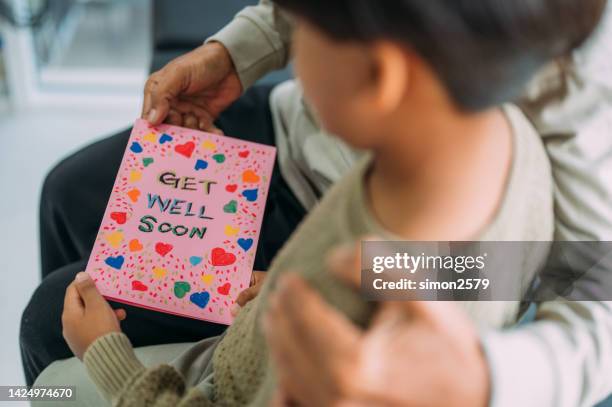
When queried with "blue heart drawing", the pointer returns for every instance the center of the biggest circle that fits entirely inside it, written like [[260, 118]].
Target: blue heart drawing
[[195, 260], [136, 147], [201, 165], [115, 262], [165, 138], [250, 194], [245, 244], [200, 299]]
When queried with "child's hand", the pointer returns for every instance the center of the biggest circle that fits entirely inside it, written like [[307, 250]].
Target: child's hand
[[247, 295], [87, 316]]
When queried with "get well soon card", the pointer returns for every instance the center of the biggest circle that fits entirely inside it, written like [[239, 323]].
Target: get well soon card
[[181, 227]]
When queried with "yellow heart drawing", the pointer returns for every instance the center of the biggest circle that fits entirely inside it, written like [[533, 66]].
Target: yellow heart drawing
[[151, 138], [159, 272], [207, 279], [135, 176], [209, 145], [231, 230], [114, 239]]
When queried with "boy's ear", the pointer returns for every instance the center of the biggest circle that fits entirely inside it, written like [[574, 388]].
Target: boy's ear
[[391, 76]]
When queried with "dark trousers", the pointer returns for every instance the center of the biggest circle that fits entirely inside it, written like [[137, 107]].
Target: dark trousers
[[72, 205]]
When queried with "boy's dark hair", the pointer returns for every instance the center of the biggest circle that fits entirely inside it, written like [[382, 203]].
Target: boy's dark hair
[[484, 51]]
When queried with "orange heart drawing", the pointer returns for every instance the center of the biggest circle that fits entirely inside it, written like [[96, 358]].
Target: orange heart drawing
[[250, 176], [134, 194], [135, 245]]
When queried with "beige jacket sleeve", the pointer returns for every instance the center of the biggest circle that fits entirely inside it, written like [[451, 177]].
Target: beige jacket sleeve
[[258, 41], [564, 359]]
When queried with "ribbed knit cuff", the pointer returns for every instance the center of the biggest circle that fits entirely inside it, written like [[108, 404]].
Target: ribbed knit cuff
[[111, 364]]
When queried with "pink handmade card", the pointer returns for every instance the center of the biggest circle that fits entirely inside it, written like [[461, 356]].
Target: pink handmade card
[[181, 227]]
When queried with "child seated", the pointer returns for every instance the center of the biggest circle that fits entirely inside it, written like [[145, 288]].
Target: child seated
[[422, 86]]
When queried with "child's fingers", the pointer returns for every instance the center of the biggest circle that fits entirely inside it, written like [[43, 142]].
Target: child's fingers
[[244, 297], [73, 305], [88, 291], [257, 277], [247, 295], [121, 314]]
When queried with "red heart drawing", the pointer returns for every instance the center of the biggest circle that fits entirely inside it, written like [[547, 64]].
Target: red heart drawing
[[231, 188], [163, 248], [119, 217], [244, 154], [220, 257], [185, 149], [138, 286], [224, 289]]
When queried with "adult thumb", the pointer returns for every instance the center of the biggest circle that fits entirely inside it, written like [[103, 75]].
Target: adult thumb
[[161, 89]]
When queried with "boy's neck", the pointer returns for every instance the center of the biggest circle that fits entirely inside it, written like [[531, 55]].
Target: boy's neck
[[439, 164]]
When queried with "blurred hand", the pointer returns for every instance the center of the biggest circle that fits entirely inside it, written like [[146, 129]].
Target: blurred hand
[[414, 353], [247, 295], [192, 90], [87, 316]]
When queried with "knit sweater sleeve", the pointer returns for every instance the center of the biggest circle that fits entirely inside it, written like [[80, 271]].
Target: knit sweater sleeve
[[124, 381]]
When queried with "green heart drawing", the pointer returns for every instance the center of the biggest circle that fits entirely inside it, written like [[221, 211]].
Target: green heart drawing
[[147, 161], [220, 158], [231, 207], [181, 288]]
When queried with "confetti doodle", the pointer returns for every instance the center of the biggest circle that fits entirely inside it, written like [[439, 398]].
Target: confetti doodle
[[182, 224]]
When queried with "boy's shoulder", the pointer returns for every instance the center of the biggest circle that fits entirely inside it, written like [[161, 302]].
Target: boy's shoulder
[[526, 211]]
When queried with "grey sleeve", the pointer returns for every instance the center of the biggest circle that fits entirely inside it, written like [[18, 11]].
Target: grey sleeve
[[564, 359], [258, 40]]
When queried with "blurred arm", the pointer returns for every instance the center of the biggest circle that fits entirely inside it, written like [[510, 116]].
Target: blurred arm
[[258, 41], [565, 357]]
